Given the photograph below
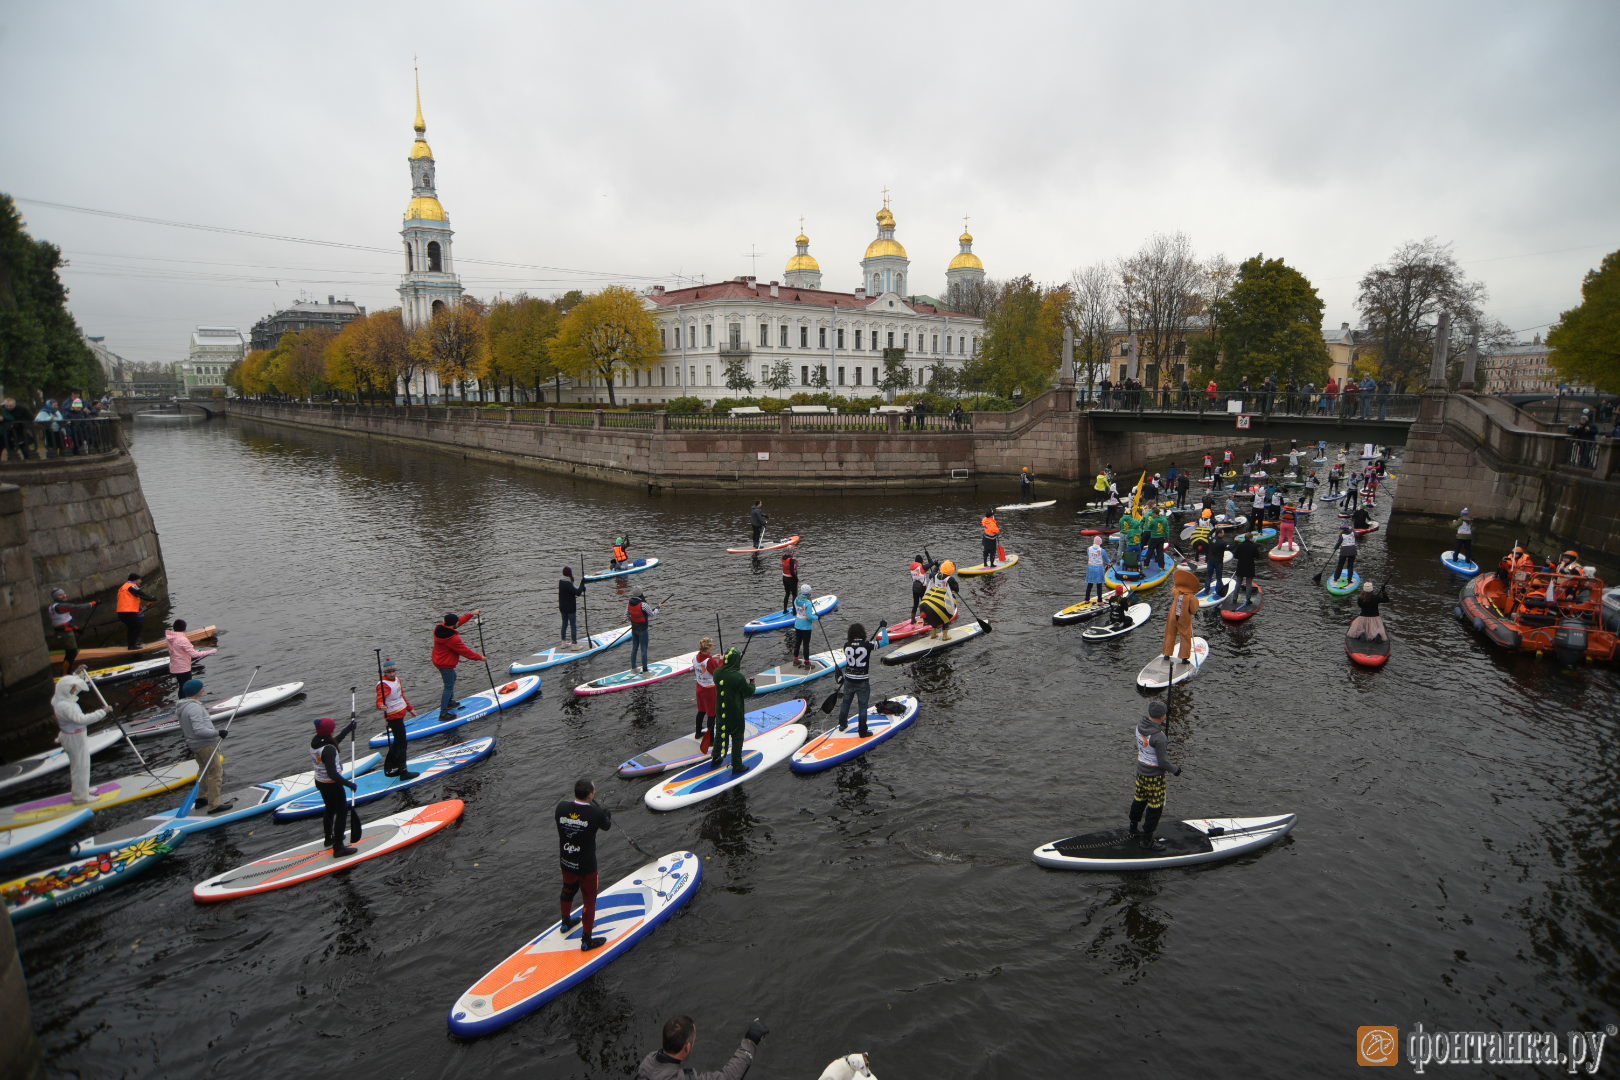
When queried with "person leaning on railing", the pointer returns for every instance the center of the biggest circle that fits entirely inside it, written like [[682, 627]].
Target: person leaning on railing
[[17, 440], [1583, 441]]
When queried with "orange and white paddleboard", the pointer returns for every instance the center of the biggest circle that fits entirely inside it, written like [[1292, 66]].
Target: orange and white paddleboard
[[1285, 552]]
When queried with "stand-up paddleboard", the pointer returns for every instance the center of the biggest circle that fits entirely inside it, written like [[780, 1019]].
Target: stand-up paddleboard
[[1239, 607], [910, 628], [1027, 506], [242, 803], [47, 762], [636, 566], [1370, 528], [784, 676], [919, 647], [253, 701], [782, 620], [985, 568], [1342, 586], [1135, 616], [1330, 498], [626, 911], [1224, 522], [688, 750], [834, 747], [1198, 840], [62, 885], [314, 859], [1285, 552], [1098, 532], [20, 841], [118, 672], [1159, 673], [112, 793], [1367, 652], [706, 779], [374, 785], [1260, 536], [121, 655], [789, 542], [1084, 611], [472, 707], [630, 678], [567, 654], [1208, 598], [1452, 560], [1146, 579]]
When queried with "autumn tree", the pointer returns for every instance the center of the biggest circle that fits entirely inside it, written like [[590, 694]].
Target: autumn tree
[[519, 330], [1095, 293], [1270, 323], [1401, 301], [1586, 342], [41, 348], [1023, 339], [1162, 290], [453, 345], [606, 336], [975, 298], [250, 375]]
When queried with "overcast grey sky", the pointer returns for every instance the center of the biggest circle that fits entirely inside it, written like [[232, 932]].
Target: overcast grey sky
[[636, 142]]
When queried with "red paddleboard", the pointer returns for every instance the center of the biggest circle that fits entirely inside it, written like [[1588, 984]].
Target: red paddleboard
[[910, 628], [1371, 528], [1367, 653], [1098, 532], [1231, 611]]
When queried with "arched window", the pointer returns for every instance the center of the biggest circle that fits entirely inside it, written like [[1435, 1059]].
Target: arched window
[[409, 263], [438, 306], [435, 263]]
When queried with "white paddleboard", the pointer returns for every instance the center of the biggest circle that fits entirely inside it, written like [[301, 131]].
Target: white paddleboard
[[705, 780], [1196, 840], [256, 700], [47, 762], [1027, 506], [1136, 613], [1152, 676], [923, 645]]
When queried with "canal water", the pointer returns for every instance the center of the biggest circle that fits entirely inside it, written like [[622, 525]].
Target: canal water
[[1453, 865]]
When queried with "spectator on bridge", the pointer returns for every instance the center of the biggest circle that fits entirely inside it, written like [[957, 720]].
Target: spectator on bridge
[[1214, 392], [1104, 389], [1290, 395], [1330, 393], [17, 438], [1583, 436], [1186, 394], [956, 415], [1384, 389], [1244, 393], [1351, 394], [49, 418], [1269, 389], [1368, 389], [1307, 396], [1164, 393]]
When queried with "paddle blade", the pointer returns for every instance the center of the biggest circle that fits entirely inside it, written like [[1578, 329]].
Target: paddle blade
[[832, 698], [986, 627], [354, 825]]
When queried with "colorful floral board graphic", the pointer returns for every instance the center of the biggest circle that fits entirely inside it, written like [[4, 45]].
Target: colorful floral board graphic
[[64, 884]]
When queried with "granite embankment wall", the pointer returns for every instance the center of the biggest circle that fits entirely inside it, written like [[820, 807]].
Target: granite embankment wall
[[1475, 452]]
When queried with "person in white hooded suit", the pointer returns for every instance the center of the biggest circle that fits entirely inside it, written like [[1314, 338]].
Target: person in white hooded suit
[[72, 723]]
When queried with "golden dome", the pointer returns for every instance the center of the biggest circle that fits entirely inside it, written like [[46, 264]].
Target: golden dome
[[965, 238], [884, 218], [880, 247], [966, 261], [803, 262], [420, 149], [426, 208]]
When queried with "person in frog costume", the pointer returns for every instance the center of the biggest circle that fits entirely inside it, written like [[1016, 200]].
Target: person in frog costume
[[731, 688]]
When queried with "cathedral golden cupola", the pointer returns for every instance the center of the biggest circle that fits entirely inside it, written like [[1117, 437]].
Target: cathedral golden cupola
[[424, 204], [884, 266], [430, 283], [802, 271]]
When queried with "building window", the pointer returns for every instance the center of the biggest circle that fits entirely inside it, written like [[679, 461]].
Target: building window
[[1180, 349], [961, 343], [784, 335], [947, 344], [936, 344], [708, 375], [435, 260], [821, 338], [663, 375], [804, 337], [804, 375], [874, 377], [821, 372], [708, 335], [840, 376], [857, 376], [858, 340], [891, 339], [691, 337], [840, 337], [663, 339], [764, 372], [764, 335], [1125, 348], [691, 375], [905, 341], [408, 262]]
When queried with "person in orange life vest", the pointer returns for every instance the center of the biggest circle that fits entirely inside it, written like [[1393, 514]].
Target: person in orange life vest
[[1285, 527], [62, 624], [992, 530], [790, 581], [448, 649], [703, 669], [621, 554], [1178, 627], [182, 653], [638, 613], [395, 707], [130, 603], [329, 781]]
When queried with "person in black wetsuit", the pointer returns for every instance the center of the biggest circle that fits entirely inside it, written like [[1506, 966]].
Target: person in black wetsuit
[[1361, 519], [1152, 763], [329, 781], [756, 520], [1219, 545], [790, 580], [1245, 553], [566, 592], [680, 1035], [578, 820]]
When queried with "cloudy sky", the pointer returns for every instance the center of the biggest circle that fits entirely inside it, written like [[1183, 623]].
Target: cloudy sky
[[582, 143]]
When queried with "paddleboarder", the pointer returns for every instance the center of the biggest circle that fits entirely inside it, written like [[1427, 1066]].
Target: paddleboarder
[[578, 821], [1026, 486], [1111, 506], [790, 580], [1245, 553], [567, 606], [1100, 487], [330, 782], [988, 541], [731, 688], [1219, 545], [1097, 562], [1178, 626], [203, 740], [1361, 519], [756, 520], [182, 653], [621, 553], [1119, 606], [703, 668], [920, 569], [448, 649], [1152, 764], [1286, 525], [65, 627], [1346, 547], [1202, 532], [1369, 624], [680, 1035], [939, 601], [71, 724], [395, 707], [1465, 534], [1311, 484], [639, 615], [1209, 465], [804, 620], [857, 676], [131, 609]]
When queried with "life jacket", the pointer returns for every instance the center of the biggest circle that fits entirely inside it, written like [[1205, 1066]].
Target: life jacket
[[1288, 515], [790, 566], [1102, 482], [637, 614], [919, 573], [128, 602], [619, 554], [1209, 462], [702, 672], [323, 775], [1226, 457], [391, 697], [60, 619], [991, 528], [1201, 534]]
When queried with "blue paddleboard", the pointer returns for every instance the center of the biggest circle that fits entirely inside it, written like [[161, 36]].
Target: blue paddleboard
[[374, 785], [594, 643], [834, 747], [636, 566], [473, 707], [1458, 563], [781, 620], [1338, 586]]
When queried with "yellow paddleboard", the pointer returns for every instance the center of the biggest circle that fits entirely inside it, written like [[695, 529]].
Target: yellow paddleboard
[[136, 786], [969, 571]]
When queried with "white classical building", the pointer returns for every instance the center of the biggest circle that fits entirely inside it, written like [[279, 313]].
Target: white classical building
[[213, 350], [813, 336]]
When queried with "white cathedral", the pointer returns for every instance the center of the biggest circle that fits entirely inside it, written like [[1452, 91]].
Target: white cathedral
[[835, 340]]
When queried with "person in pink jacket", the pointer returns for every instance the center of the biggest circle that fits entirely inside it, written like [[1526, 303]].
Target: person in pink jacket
[[182, 653]]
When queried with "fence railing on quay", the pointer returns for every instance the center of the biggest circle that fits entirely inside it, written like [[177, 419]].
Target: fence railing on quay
[[34, 442]]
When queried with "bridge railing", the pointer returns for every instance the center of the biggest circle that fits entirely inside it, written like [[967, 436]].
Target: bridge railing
[[63, 440], [1339, 406]]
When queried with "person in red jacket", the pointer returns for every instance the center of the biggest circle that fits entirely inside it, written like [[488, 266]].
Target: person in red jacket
[[448, 649]]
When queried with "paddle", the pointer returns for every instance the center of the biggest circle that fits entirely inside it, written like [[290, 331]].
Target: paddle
[[983, 625], [121, 730], [1316, 578], [585, 607], [832, 698], [494, 693], [196, 789], [632, 842], [354, 815]]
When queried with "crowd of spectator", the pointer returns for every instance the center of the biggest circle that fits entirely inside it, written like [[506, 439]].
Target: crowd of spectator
[[1367, 397], [56, 429]]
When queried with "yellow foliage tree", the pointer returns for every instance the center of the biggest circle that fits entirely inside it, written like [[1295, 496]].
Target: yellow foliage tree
[[605, 336], [519, 330], [250, 375], [454, 345], [370, 356], [298, 362]]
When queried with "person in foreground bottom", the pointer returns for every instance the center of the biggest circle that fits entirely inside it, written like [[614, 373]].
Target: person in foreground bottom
[[329, 781], [578, 820], [1152, 763], [680, 1035]]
